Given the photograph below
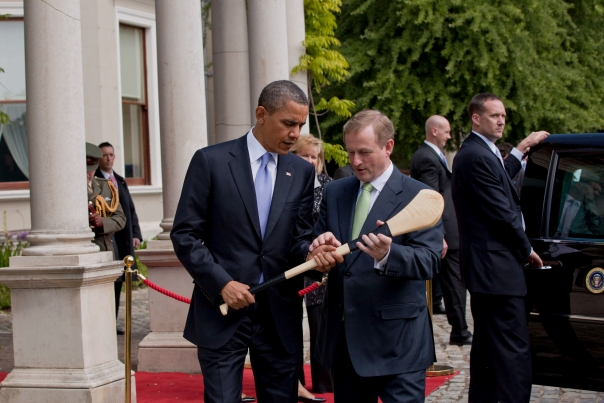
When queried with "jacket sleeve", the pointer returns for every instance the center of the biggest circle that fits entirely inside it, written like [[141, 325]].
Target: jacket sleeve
[[136, 229], [115, 221], [189, 229], [416, 256], [303, 231]]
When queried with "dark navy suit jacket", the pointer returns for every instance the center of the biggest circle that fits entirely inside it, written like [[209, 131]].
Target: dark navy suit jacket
[[427, 167], [216, 236], [493, 244], [386, 317]]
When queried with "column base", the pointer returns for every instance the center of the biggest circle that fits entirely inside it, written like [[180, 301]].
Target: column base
[[167, 352], [99, 384]]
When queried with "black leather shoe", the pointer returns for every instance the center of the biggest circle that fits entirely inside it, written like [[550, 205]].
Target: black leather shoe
[[309, 400], [248, 399], [438, 309], [463, 341]]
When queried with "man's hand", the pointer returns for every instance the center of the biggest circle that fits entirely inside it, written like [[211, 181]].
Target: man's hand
[[376, 246], [136, 242], [445, 249], [326, 257], [96, 220], [534, 260], [326, 238], [531, 140], [236, 295]]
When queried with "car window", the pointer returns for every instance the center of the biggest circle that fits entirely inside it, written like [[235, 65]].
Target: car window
[[577, 204]]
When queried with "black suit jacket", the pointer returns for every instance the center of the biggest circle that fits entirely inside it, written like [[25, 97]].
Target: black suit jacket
[[216, 236], [386, 318], [493, 244], [123, 238], [427, 167]]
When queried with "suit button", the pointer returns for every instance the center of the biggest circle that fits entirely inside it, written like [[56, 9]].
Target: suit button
[[519, 208], [347, 275]]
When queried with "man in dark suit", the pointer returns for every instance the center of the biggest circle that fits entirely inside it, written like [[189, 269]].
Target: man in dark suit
[[493, 250], [429, 166], [375, 331], [245, 215], [130, 236]]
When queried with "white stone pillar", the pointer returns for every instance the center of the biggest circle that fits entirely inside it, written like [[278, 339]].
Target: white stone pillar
[[65, 344], [182, 106], [269, 60], [209, 61], [296, 33], [183, 131], [231, 69]]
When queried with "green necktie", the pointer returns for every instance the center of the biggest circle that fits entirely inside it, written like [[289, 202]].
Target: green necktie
[[362, 210]]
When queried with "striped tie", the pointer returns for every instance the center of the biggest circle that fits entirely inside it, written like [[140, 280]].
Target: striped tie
[[362, 210]]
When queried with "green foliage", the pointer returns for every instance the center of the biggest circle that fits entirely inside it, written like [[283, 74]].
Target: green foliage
[[336, 153], [11, 246], [322, 62], [415, 58]]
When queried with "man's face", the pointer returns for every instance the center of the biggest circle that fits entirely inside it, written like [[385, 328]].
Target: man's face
[[442, 134], [492, 121], [106, 163], [367, 158], [278, 132]]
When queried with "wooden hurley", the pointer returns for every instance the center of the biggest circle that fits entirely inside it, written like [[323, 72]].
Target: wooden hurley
[[422, 212]]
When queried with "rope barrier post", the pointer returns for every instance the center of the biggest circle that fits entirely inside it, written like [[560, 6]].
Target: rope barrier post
[[435, 370], [128, 262]]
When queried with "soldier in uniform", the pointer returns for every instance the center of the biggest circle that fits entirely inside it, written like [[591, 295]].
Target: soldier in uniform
[[106, 214]]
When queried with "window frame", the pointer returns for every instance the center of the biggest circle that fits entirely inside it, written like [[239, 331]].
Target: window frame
[[20, 185]]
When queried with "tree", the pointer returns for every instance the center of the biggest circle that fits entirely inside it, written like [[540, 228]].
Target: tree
[[415, 58]]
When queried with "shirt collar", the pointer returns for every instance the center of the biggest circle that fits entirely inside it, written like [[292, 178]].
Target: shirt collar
[[256, 149], [107, 175], [438, 152], [379, 182], [491, 145]]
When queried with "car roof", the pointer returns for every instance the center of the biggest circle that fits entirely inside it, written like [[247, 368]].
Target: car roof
[[589, 139]]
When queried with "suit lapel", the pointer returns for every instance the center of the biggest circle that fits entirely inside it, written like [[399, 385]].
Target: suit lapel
[[241, 171], [383, 207], [283, 184], [480, 141], [346, 205], [440, 160]]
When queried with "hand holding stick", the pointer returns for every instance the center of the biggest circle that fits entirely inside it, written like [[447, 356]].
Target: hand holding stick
[[424, 211]]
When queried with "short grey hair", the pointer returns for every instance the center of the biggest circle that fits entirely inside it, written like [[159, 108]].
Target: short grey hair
[[275, 96]]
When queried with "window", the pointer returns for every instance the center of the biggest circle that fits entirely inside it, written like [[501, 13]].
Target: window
[[14, 163], [135, 120], [577, 206]]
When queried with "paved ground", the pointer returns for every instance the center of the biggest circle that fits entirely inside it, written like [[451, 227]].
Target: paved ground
[[454, 391]]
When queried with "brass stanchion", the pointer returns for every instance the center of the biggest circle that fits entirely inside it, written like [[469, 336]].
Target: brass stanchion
[[128, 262], [435, 370]]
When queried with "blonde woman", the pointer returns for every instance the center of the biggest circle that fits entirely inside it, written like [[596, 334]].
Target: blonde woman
[[310, 148]]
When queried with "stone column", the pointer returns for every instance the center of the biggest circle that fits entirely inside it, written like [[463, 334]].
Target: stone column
[[65, 344], [296, 33], [231, 69], [183, 131], [269, 60]]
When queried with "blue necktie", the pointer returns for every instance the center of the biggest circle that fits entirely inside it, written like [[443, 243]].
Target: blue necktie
[[264, 187], [442, 156]]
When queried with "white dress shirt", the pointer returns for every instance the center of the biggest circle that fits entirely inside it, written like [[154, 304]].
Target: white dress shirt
[[437, 151]]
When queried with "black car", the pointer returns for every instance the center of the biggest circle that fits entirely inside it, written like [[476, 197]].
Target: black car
[[563, 206]]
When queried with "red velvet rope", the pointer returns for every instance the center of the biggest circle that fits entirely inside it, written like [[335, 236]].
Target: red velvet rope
[[308, 289], [166, 292]]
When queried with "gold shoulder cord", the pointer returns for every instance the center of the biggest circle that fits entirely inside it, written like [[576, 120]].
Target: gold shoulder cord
[[101, 206]]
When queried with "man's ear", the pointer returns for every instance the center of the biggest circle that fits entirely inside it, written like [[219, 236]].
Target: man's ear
[[261, 114], [389, 147], [476, 119]]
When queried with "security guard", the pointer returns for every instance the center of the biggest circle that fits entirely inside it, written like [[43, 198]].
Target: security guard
[[106, 214]]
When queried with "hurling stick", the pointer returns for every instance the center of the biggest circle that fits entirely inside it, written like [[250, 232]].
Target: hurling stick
[[422, 212]]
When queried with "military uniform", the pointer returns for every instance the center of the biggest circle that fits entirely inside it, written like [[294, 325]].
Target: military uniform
[[112, 223]]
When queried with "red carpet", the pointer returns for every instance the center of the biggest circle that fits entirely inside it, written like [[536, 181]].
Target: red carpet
[[162, 387]]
